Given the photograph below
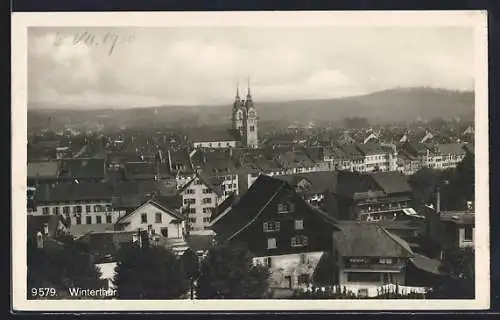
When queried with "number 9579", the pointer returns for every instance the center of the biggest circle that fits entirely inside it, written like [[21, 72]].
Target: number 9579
[[43, 292]]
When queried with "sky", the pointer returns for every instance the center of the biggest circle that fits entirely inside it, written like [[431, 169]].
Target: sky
[[135, 67]]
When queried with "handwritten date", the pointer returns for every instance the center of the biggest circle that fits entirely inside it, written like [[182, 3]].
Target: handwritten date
[[107, 40]]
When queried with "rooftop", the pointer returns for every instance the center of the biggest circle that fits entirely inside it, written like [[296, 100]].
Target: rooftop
[[368, 240], [43, 169]]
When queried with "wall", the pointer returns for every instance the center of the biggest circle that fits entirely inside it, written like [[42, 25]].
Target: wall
[[290, 265], [398, 277], [199, 220], [88, 208], [175, 230]]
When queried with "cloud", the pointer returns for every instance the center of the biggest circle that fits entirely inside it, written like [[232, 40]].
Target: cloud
[[201, 66]]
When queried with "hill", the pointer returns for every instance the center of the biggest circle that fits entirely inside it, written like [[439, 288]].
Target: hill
[[393, 105]]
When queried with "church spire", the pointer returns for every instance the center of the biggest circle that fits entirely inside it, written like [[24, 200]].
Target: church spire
[[237, 90], [249, 94]]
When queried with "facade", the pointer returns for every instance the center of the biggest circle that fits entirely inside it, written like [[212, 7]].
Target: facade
[[274, 223], [86, 203], [159, 221], [245, 119], [367, 257], [200, 196], [449, 230], [370, 197]]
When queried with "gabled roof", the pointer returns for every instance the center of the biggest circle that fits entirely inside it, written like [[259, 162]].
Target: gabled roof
[[158, 205], [319, 182], [392, 182], [43, 169], [294, 160], [350, 183], [368, 240], [243, 213], [250, 205]]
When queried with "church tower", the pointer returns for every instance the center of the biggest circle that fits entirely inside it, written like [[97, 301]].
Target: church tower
[[251, 124], [238, 113]]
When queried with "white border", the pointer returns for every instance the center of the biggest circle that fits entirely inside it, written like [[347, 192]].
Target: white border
[[20, 22]]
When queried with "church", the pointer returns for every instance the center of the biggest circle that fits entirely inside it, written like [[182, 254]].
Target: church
[[244, 129]]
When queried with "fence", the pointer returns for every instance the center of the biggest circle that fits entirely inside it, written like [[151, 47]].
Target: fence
[[355, 292]]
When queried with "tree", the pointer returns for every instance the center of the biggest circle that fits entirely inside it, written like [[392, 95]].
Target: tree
[[424, 183], [228, 272], [459, 280], [148, 273], [190, 266], [61, 266]]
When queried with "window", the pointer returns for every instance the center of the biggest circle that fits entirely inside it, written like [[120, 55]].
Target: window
[[303, 279], [206, 219], [363, 277], [468, 233], [78, 209], [299, 224], [66, 210], [97, 208], [298, 241], [144, 218], [87, 208], [271, 226], [387, 277], [98, 219], [271, 243], [207, 200], [285, 207], [88, 220], [158, 217], [192, 220], [189, 191], [207, 210], [78, 220], [191, 210], [55, 210], [385, 261], [252, 128], [206, 190], [45, 210], [164, 232], [109, 219], [189, 201]]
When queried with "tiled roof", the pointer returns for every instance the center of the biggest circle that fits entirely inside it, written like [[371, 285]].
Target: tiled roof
[[76, 191], [349, 183], [158, 205], [145, 170], [214, 135], [392, 182], [368, 240], [294, 160], [249, 205], [370, 148], [319, 182], [79, 230], [83, 168], [43, 169], [451, 148]]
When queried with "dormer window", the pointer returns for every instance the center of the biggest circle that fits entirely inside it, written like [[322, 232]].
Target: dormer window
[[285, 207]]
